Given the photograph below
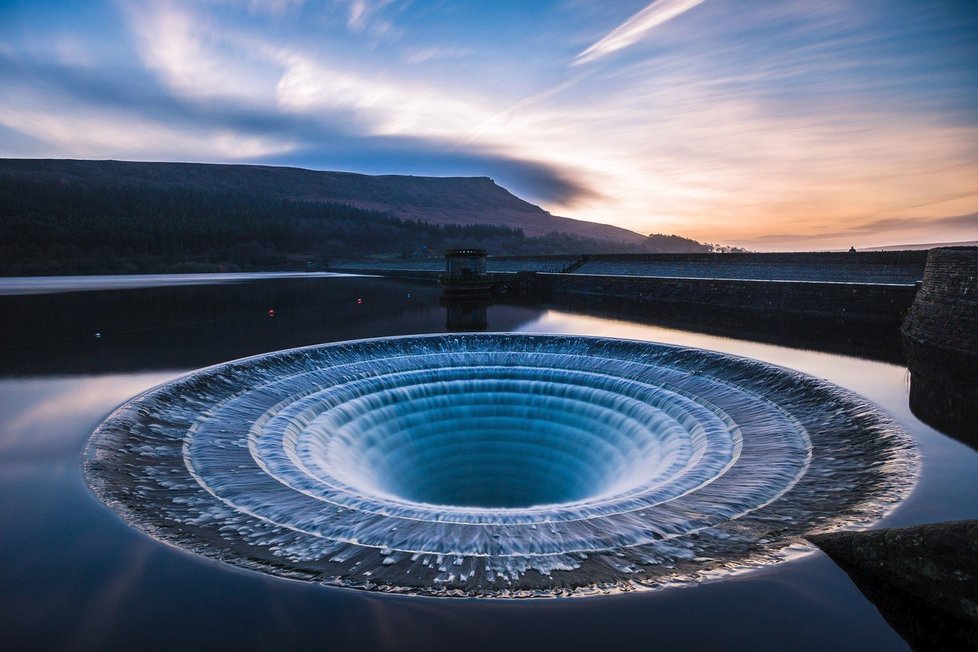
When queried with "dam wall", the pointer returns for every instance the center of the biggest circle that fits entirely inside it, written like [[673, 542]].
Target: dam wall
[[866, 287], [842, 267], [862, 302], [852, 318], [861, 267], [941, 340], [878, 303]]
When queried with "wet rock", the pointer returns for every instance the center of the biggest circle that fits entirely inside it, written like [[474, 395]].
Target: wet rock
[[923, 578]]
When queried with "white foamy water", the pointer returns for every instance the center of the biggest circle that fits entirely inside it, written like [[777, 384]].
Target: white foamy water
[[498, 464]]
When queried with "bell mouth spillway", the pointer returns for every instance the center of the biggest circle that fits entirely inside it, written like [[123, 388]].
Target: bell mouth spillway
[[497, 464], [498, 437]]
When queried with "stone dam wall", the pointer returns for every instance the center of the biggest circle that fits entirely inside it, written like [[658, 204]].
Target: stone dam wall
[[941, 341], [860, 319], [863, 267], [836, 302], [866, 267], [862, 302], [868, 287]]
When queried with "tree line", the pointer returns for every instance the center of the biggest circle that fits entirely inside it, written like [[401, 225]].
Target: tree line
[[65, 228]]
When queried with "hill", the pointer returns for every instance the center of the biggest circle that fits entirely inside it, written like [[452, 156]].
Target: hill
[[103, 217], [437, 200]]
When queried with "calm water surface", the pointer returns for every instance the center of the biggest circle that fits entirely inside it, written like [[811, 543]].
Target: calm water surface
[[73, 576]]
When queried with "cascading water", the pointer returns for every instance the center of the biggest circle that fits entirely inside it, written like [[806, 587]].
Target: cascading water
[[497, 464]]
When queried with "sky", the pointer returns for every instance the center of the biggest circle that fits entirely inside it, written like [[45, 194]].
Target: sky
[[771, 125]]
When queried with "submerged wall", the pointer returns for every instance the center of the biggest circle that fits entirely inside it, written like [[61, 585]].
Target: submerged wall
[[941, 339]]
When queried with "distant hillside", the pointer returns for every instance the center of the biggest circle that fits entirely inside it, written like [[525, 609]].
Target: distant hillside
[[451, 200], [78, 217]]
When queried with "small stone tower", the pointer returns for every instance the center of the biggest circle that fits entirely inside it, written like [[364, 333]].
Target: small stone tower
[[465, 273]]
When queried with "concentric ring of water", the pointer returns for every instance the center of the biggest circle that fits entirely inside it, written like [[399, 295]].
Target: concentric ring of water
[[497, 464]]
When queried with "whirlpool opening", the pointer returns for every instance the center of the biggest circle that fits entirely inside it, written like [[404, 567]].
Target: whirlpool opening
[[497, 439], [498, 465]]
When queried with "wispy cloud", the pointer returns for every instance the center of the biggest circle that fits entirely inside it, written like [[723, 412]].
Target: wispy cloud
[[635, 28], [365, 16], [194, 56], [425, 54], [358, 14]]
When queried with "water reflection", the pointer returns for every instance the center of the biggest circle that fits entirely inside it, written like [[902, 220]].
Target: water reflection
[[830, 334], [469, 315], [186, 327], [944, 390], [36, 413]]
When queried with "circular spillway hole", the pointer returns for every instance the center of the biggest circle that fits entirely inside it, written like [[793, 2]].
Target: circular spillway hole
[[488, 442], [497, 464]]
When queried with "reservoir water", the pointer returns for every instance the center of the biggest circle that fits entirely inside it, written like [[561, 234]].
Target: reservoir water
[[74, 575]]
